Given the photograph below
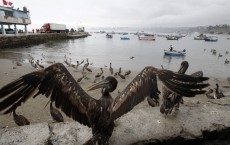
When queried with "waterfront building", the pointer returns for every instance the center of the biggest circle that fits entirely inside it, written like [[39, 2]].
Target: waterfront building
[[10, 16]]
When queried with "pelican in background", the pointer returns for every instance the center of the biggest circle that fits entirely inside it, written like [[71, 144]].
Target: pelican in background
[[128, 73], [56, 82], [20, 120], [218, 93], [110, 68], [55, 114], [208, 94]]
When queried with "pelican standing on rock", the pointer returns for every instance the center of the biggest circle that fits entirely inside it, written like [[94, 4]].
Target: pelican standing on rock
[[58, 84]]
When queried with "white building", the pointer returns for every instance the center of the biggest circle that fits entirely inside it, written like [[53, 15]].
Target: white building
[[10, 16]]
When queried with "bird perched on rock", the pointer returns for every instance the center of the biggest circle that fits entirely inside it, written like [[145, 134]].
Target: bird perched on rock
[[218, 93], [56, 82], [20, 120]]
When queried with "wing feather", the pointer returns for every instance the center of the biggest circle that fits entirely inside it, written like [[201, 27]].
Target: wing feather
[[54, 82], [144, 84]]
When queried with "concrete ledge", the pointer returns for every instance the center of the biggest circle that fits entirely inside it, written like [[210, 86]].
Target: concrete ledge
[[139, 126]]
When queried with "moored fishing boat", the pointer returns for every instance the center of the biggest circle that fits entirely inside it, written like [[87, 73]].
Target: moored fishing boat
[[109, 35], [146, 37], [175, 53], [125, 38], [211, 38], [172, 38]]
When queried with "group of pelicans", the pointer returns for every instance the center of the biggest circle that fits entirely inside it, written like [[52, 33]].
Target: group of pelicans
[[213, 51], [59, 85], [98, 75]]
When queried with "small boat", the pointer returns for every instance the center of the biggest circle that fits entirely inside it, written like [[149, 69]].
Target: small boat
[[172, 37], [200, 37], [125, 38], [146, 37], [211, 38], [175, 53], [109, 35]]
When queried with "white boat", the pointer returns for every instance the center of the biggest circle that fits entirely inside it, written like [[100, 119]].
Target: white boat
[[146, 37]]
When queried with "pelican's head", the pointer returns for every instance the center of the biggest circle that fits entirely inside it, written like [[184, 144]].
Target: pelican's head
[[108, 84], [183, 67]]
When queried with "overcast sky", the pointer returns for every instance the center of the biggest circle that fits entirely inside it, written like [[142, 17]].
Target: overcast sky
[[127, 13]]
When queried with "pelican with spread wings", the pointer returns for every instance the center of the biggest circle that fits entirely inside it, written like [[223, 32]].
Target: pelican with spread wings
[[58, 84]]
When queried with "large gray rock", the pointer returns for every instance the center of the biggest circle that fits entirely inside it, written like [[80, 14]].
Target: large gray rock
[[71, 133], [36, 134], [141, 125]]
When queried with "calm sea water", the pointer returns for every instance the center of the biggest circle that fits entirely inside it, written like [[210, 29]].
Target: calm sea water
[[101, 51]]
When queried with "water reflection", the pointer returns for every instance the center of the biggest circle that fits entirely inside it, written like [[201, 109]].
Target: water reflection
[[168, 58]]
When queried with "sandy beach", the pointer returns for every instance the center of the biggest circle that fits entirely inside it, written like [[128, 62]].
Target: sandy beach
[[34, 109]]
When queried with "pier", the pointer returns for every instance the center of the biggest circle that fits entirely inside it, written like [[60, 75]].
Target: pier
[[21, 40]]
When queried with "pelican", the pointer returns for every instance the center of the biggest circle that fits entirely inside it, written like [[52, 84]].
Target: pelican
[[56, 115], [81, 78], [56, 82], [128, 72], [20, 120], [18, 63], [208, 94], [171, 99], [132, 57], [41, 66], [218, 93], [110, 68], [99, 74], [121, 76]]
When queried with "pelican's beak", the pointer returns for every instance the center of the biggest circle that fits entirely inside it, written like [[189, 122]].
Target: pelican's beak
[[101, 84]]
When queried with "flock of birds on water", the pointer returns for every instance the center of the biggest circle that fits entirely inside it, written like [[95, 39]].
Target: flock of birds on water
[[58, 84], [214, 52]]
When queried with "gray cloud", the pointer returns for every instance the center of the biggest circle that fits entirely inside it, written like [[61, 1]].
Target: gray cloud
[[132, 13]]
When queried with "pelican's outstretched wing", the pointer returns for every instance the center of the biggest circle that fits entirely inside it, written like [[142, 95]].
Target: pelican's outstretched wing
[[55, 82], [145, 84]]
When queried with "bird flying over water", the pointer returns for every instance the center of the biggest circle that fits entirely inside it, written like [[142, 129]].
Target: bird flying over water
[[58, 84]]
